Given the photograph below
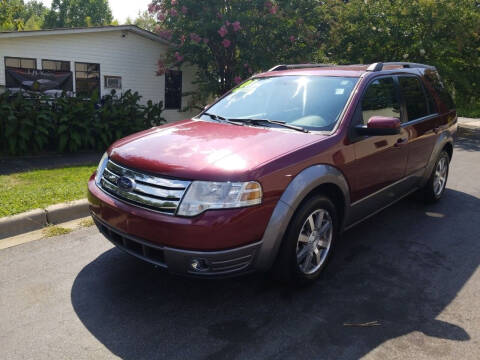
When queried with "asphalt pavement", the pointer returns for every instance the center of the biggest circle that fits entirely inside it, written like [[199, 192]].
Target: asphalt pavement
[[413, 269]]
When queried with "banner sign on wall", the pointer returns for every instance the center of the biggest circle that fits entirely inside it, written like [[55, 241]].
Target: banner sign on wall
[[37, 80]]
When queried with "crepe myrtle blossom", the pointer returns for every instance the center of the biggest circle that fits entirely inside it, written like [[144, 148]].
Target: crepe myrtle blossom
[[161, 17], [184, 10], [178, 56], [161, 68], [223, 31], [153, 8], [195, 38], [173, 12], [236, 26], [292, 38], [237, 80], [226, 43], [174, 2], [273, 9], [205, 40]]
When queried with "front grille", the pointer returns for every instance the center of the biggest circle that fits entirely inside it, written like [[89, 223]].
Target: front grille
[[149, 191]]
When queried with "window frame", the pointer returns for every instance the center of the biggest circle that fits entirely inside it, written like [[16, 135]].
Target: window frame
[[181, 90], [357, 116], [99, 76], [61, 61], [19, 58], [430, 114]]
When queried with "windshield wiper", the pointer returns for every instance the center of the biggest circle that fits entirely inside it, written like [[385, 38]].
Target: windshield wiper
[[275, 122], [221, 118]]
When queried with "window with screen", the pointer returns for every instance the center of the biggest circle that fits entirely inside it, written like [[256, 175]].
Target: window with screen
[[55, 65], [87, 78], [173, 89], [380, 99], [20, 63], [414, 97]]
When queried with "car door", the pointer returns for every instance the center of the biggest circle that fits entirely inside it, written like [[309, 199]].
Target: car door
[[421, 122], [380, 161]]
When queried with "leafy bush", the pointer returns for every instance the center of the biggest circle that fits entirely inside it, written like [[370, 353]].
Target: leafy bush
[[68, 124]]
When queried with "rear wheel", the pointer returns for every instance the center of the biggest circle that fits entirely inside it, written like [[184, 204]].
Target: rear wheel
[[309, 242], [435, 186]]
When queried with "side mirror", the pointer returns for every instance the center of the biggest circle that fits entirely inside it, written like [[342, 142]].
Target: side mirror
[[380, 125]]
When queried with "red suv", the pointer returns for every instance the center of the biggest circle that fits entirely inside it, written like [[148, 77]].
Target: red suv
[[272, 173]]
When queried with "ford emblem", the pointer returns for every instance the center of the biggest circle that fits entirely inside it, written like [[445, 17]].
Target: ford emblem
[[126, 184]]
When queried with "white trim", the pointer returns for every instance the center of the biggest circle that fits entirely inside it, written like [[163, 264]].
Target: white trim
[[131, 28]]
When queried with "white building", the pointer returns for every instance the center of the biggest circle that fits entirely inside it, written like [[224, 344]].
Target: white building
[[97, 58]]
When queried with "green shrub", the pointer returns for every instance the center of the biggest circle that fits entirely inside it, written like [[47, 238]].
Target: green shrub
[[67, 124]]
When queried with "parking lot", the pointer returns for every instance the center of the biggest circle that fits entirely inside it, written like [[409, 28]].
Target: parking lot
[[413, 270]]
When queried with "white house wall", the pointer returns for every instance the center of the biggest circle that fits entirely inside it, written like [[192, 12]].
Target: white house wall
[[119, 53]]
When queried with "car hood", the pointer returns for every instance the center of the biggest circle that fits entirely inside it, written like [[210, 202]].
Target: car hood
[[204, 150]]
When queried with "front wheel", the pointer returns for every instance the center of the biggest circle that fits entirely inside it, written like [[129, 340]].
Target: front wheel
[[435, 186], [308, 242]]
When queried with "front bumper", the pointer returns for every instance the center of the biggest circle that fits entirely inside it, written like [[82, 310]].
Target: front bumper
[[222, 263]]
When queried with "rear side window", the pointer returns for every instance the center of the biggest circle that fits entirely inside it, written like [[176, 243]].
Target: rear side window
[[437, 84], [414, 97], [380, 99]]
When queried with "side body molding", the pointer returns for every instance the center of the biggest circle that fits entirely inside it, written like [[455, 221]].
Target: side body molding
[[304, 183], [446, 137]]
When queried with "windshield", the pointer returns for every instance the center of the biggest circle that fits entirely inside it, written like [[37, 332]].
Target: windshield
[[310, 102]]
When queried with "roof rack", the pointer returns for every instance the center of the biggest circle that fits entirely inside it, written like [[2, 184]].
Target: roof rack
[[298, 66], [406, 65]]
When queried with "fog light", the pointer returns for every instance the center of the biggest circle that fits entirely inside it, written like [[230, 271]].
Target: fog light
[[199, 265]]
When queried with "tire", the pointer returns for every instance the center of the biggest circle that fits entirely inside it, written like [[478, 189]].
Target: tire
[[437, 182], [299, 242]]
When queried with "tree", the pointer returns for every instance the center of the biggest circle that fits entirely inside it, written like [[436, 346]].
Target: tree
[[10, 19], [230, 40], [78, 13], [444, 33], [144, 20], [16, 15]]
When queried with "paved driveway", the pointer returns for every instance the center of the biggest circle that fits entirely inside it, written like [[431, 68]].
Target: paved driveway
[[412, 268]]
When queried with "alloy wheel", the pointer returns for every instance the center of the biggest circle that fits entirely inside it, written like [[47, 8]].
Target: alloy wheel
[[314, 241], [440, 178]]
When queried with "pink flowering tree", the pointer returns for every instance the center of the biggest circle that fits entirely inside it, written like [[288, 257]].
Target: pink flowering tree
[[230, 40]]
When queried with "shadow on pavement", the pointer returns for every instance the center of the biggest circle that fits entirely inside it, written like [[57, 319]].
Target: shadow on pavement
[[401, 268]]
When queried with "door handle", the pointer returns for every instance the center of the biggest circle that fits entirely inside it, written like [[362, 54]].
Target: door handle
[[401, 142]]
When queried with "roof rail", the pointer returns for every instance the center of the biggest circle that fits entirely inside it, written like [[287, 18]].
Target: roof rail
[[406, 65], [298, 66]]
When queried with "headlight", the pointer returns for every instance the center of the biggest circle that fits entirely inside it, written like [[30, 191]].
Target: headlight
[[101, 167], [205, 195]]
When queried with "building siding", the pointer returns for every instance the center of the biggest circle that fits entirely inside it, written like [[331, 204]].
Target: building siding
[[119, 53]]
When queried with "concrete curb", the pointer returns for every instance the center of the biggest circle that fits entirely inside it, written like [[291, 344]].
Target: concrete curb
[[469, 128], [39, 218]]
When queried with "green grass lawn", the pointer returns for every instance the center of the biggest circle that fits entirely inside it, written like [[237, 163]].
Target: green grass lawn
[[40, 188]]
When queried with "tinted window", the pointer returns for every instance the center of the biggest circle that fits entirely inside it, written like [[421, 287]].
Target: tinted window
[[380, 99], [312, 102], [414, 97], [434, 79], [87, 78], [173, 89]]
